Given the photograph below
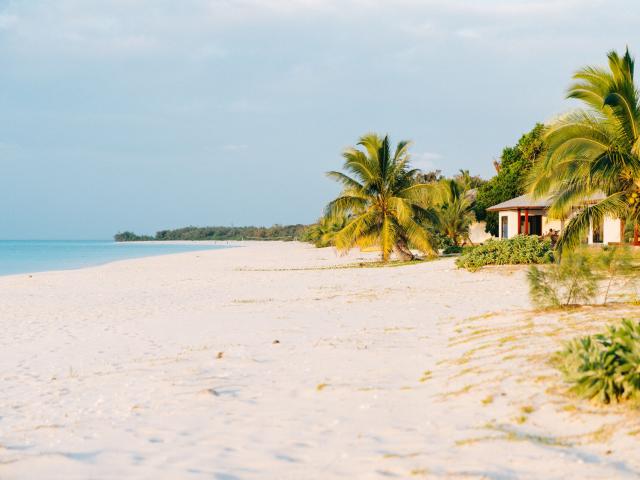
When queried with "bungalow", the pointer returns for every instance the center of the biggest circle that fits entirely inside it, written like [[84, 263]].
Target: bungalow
[[525, 216]]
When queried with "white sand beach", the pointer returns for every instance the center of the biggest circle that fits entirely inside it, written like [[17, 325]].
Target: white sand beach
[[261, 363]]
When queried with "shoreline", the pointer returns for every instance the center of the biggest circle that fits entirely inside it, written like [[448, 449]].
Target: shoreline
[[193, 365], [100, 263]]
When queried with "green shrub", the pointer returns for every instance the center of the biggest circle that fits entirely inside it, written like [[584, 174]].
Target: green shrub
[[449, 249], [523, 249], [569, 282], [584, 274], [604, 368]]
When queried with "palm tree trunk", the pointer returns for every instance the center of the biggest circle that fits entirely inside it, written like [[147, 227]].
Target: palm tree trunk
[[403, 251], [622, 227]]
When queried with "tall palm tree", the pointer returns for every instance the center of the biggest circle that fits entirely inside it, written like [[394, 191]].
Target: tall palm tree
[[384, 202], [455, 212], [595, 150]]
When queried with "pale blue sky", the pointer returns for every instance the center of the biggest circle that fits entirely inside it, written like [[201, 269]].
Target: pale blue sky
[[152, 114]]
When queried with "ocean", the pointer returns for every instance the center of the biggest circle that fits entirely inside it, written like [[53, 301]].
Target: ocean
[[30, 256]]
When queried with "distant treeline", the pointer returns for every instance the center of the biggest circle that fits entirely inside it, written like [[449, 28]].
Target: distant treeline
[[276, 232]]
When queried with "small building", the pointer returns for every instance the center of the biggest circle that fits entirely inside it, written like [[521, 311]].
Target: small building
[[478, 233], [525, 216]]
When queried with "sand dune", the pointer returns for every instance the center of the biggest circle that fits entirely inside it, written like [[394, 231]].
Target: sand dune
[[259, 362]]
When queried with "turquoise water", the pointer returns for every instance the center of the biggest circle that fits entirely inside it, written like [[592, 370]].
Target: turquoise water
[[28, 256]]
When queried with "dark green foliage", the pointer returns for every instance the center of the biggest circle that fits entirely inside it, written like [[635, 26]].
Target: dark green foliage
[[276, 232], [522, 249], [604, 368], [131, 237], [571, 281], [451, 249], [441, 241], [511, 179]]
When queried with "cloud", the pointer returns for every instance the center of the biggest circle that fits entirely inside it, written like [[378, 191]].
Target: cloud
[[425, 160], [206, 30]]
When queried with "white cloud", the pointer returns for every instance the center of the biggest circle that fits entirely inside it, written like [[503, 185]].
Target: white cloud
[[196, 29], [425, 160]]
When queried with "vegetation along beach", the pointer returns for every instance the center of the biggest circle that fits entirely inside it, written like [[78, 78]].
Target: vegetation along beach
[[424, 321]]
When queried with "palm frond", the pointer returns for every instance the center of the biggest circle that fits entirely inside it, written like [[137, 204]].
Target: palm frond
[[576, 230]]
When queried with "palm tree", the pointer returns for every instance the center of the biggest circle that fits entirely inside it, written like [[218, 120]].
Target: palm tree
[[594, 151], [467, 181], [384, 202], [455, 213]]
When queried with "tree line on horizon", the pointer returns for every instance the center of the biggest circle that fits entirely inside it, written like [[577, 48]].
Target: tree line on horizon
[[275, 232]]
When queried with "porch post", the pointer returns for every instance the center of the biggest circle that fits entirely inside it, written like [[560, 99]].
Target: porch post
[[526, 221], [519, 227]]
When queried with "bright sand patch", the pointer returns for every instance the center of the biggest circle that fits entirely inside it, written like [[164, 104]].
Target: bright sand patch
[[166, 367]]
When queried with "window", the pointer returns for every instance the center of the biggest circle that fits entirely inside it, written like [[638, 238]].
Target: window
[[504, 232]]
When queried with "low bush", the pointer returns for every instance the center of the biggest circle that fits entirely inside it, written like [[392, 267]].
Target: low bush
[[569, 282], [604, 368], [583, 275], [523, 249], [451, 249]]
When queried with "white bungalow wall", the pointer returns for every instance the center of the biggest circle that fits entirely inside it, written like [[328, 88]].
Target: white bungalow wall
[[547, 223], [611, 232], [513, 225], [477, 232]]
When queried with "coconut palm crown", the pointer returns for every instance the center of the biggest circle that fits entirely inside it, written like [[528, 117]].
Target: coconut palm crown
[[455, 209], [384, 203], [594, 151]]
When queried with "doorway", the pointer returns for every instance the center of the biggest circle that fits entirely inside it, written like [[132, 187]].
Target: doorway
[[535, 224]]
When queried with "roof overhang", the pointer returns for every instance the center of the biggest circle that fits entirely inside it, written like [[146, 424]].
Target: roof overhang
[[498, 208]]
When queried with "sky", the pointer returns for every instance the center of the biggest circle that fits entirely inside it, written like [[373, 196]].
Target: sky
[[151, 114]]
